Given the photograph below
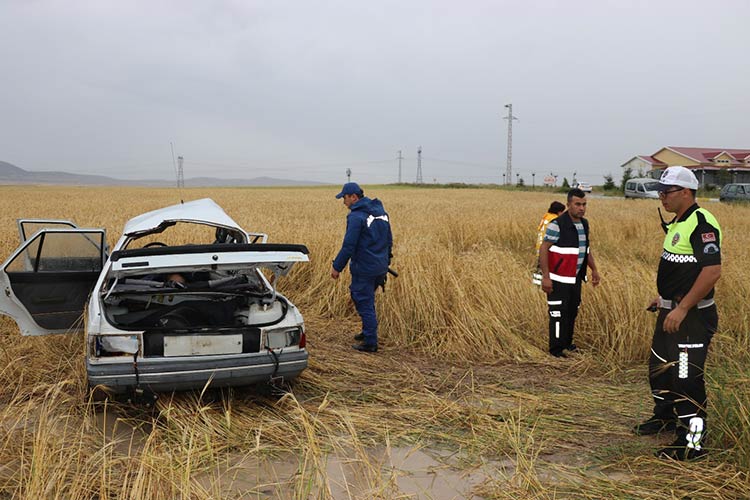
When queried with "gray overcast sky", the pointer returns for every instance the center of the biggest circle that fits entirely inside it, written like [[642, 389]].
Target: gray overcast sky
[[304, 89]]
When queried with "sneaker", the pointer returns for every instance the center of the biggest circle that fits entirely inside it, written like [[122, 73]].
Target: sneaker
[[680, 451], [365, 347], [654, 425], [359, 337]]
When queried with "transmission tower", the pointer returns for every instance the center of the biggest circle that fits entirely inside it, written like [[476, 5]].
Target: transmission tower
[[399, 165], [180, 174], [419, 165], [509, 167]]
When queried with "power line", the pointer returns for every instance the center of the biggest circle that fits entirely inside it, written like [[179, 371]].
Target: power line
[[290, 166], [461, 162]]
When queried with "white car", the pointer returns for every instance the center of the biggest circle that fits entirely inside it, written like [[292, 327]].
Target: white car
[[642, 188], [583, 186], [161, 317]]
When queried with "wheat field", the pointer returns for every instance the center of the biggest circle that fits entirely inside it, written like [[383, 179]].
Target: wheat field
[[462, 381]]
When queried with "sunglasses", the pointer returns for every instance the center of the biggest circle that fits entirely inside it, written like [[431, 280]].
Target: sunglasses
[[663, 194]]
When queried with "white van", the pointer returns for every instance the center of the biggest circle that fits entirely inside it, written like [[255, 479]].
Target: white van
[[642, 188]]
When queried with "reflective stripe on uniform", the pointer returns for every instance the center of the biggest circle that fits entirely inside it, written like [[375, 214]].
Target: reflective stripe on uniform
[[695, 433], [372, 218], [678, 258], [564, 250], [562, 279], [654, 352]]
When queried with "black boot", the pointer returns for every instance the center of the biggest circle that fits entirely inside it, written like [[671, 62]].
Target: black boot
[[366, 347], [679, 450], [655, 425]]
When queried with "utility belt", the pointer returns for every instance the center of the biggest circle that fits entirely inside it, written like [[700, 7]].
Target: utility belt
[[671, 304]]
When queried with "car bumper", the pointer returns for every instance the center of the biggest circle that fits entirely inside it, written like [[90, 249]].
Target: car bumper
[[173, 374]]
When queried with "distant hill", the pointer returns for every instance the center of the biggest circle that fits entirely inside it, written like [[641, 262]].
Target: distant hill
[[11, 174]]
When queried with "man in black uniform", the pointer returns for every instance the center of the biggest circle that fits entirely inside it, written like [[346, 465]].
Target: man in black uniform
[[689, 268]]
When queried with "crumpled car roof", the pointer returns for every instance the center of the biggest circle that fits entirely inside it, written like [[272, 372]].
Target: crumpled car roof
[[204, 211]]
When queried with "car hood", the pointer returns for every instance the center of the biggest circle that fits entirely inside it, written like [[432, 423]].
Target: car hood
[[204, 211]]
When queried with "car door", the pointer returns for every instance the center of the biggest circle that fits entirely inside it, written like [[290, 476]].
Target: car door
[[27, 227], [47, 280]]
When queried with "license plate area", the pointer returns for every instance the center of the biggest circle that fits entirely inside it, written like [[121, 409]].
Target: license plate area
[[202, 345]]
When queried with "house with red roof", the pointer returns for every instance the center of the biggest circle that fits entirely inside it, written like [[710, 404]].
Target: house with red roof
[[712, 166]]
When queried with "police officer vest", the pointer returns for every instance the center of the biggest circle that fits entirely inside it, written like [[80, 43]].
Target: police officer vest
[[677, 247], [563, 255], [679, 265]]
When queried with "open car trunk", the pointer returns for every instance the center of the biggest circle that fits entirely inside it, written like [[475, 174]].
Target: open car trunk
[[209, 294]]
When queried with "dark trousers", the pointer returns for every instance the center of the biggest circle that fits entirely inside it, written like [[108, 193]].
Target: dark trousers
[[563, 305], [676, 366], [362, 291]]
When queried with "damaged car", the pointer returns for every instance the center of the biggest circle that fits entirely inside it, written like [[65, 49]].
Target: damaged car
[[160, 314]]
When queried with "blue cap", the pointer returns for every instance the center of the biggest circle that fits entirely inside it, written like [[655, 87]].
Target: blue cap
[[349, 188]]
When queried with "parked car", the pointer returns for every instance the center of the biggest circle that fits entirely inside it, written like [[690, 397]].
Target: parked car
[[642, 188], [161, 317], [583, 186], [735, 192]]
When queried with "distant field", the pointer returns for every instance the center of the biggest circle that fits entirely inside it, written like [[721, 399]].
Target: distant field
[[463, 375]]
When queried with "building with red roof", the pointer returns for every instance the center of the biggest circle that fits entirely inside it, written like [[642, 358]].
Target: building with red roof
[[712, 166]]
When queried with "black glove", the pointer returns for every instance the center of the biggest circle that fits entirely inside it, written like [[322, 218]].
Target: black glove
[[380, 282]]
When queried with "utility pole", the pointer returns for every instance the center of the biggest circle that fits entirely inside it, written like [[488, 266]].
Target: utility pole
[[419, 165], [510, 118], [532, 179], [399, 165], [180, 174], [348, 175]]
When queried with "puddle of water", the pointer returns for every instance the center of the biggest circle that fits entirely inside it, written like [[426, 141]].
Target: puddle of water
[[380, 472], [128, 440], [402, 472]]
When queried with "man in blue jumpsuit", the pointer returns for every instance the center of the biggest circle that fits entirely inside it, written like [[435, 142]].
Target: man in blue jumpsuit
[[367, 246]]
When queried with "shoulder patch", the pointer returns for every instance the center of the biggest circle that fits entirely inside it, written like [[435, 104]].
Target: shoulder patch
[[676, 239], [708, 237], [711, 249]]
